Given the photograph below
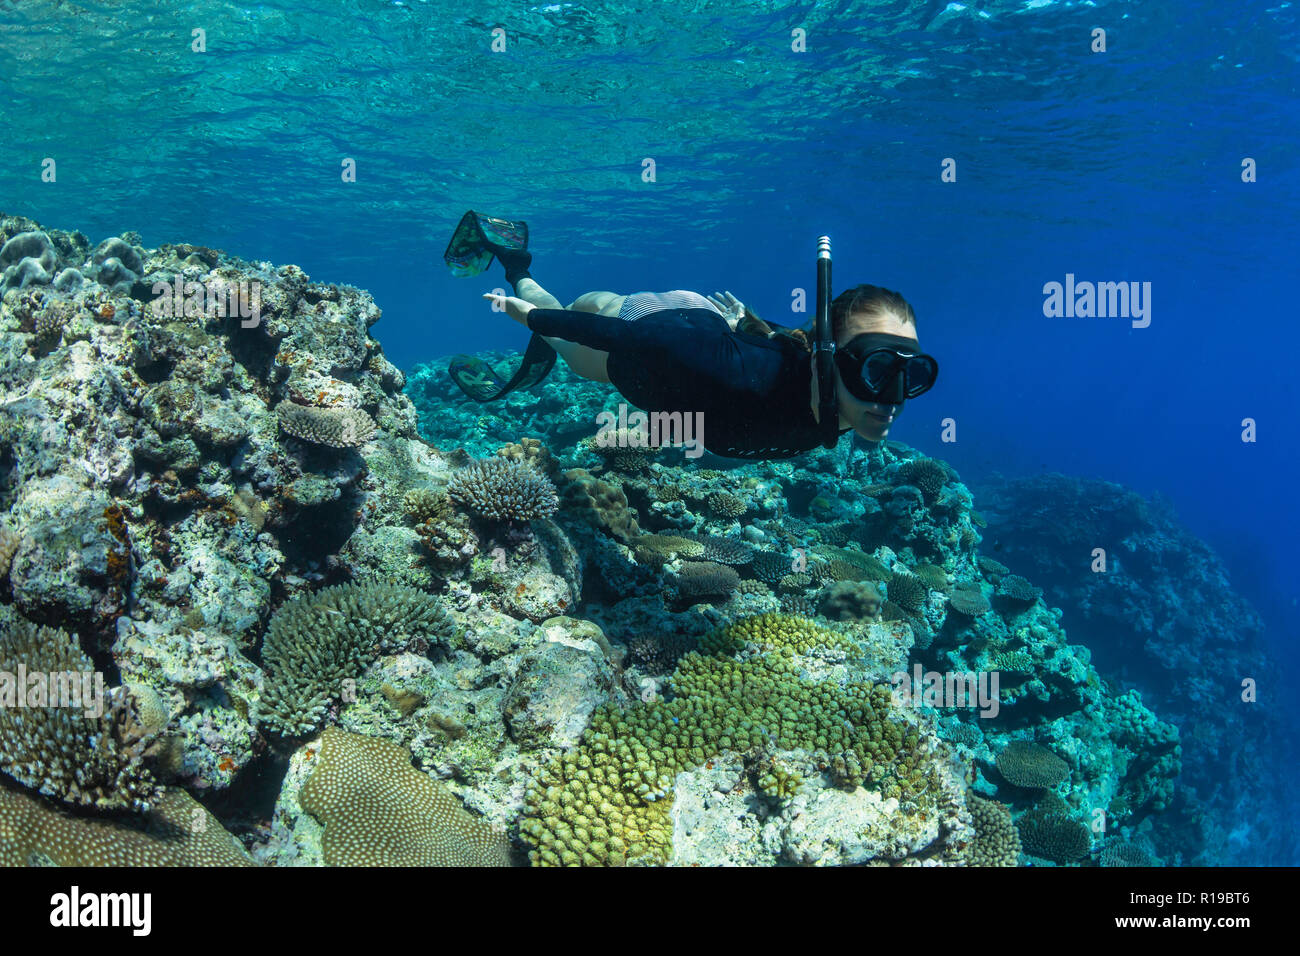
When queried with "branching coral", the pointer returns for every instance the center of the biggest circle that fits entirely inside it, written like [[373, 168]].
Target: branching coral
[[316, 642], [48, 741], [502, 489]]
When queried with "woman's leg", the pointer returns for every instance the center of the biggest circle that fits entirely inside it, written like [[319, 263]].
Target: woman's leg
[[585, 361]]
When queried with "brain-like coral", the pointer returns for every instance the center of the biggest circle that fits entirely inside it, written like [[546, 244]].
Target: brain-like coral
[[1026, 764], [502, 489], [333, 427], [10, 541], [316, 642], [176, 831], [907, 591], [997, 842], [60, 738], [601, 503], [378, 810]]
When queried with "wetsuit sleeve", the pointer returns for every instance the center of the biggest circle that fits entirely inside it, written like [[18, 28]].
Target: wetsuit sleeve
[[604, 332]]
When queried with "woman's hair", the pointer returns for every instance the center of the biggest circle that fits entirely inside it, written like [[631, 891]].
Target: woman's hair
[[874, 301], [869, 299]]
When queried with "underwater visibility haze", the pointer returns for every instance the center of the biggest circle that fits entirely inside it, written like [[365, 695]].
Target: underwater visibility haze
[[312, 575]]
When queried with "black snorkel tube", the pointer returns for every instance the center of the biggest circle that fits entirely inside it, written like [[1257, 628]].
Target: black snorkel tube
[[828, 411]]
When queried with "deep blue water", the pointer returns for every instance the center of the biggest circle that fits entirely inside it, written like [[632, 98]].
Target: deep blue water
[[1116, 166]]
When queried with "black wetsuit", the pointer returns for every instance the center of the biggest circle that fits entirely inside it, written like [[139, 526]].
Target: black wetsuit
[[753, 391]]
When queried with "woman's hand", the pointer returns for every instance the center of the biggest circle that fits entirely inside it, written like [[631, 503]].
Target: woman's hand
[[513, 306], [732, 309]]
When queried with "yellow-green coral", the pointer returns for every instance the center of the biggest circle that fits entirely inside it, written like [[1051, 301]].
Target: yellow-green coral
[[608, 801]]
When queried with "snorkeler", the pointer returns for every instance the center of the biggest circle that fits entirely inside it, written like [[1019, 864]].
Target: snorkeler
[[678, 351]]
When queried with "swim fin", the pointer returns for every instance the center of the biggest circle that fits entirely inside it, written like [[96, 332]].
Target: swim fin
[[476, 240], [480, 381]]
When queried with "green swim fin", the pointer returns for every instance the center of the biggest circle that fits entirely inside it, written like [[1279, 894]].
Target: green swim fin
[[471, 248], [480, 381]]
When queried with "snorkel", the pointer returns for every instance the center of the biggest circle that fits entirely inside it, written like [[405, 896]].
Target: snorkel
[[828, 411]]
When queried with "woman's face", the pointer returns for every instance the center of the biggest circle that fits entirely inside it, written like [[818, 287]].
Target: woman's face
[[869, 419]]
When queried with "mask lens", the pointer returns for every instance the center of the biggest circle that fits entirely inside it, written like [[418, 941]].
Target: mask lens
[[921, 374], [879, 368]]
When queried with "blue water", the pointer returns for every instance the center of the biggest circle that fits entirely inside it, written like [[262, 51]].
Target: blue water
[[1116, 166]]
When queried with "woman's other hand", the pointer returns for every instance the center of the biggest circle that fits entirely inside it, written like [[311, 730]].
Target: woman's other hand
[[732, 309], [513, 306]]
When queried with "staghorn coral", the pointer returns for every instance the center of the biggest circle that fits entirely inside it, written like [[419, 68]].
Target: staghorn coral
[[997, 841], [700, 579], [623, 450], [656, 550], [332, 427], [95, 760], [317, 641], [504, 490], [175, 831], [794, 582], [378, 810], [1118, 852], [658, 655], [933, 577], [1026, 764], [846, 564], [798, 605], [907, 591], [992, 568], [771, 566], [53, 318]]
